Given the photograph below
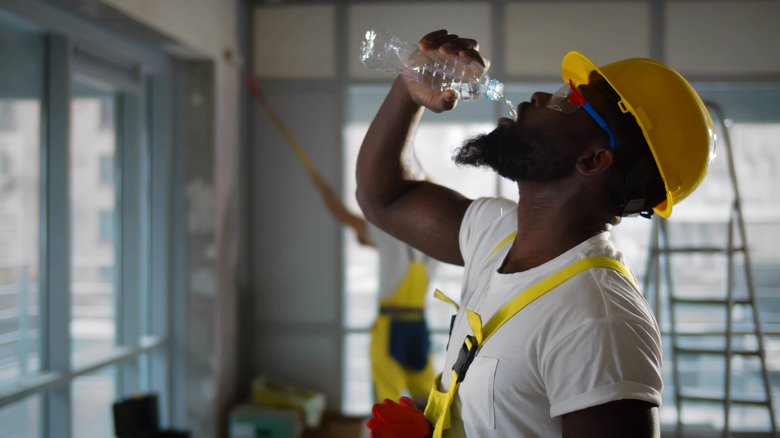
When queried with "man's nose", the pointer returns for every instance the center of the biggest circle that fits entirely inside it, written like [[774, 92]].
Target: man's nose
[[540, 99]]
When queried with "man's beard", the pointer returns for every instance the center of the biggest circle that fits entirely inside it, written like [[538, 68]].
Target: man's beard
[[516, 157]]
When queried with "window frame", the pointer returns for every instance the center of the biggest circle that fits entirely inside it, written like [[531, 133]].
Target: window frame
[[145, 180]]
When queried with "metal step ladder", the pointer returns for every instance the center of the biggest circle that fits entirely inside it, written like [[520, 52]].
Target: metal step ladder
[[741, 340]]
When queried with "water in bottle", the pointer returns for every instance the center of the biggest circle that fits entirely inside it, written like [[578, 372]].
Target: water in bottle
[[382, 50]]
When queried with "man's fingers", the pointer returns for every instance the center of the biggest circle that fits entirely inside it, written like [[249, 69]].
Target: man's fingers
[[450, 44], [475, 56], [436, 42], [435, 39], [435, 34], [455, 45]]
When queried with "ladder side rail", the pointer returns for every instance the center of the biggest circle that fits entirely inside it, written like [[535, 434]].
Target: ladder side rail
[[759, 331], [729, 328]]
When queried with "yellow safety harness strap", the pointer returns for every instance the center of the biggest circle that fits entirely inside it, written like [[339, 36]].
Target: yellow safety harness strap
[[549, 283], [438, 409], [440, 295]]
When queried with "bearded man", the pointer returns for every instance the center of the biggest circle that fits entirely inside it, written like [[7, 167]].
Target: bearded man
[[552, 337]]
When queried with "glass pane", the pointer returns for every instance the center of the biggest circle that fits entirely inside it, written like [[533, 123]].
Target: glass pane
[[93, 222], [357, 368], [92, 397], [22, 419], [21, 92]]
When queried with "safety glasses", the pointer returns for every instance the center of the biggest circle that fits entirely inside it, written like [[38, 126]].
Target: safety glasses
[[567, 99]]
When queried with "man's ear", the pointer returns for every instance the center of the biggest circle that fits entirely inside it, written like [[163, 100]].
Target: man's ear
[[595, 161]]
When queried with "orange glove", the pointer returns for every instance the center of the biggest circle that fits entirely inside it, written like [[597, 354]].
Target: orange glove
[[398, 420]]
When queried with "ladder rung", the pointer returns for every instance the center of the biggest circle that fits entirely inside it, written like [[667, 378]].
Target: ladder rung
[[700, 249], [734, 400], [716, 352], [750, 402], [724, 302]]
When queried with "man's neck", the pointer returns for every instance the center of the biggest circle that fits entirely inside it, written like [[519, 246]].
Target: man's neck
[[547, 226]]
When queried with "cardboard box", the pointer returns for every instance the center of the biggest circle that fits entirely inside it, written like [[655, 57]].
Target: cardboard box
[[275, 393], [251, 421]]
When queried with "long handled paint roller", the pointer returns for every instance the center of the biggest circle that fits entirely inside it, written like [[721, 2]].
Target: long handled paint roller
[[257, 93], [332, 201]]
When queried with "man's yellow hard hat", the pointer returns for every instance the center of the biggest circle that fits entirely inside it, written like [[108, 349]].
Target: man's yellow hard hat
[[674, 120]]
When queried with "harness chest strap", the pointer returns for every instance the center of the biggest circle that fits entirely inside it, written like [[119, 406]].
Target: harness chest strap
[[438, 409]]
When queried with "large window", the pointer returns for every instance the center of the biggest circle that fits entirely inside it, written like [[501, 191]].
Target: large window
[[83, 299], [700, 220]]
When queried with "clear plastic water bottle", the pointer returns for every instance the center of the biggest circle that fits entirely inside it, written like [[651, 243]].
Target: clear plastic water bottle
[[382, 50]]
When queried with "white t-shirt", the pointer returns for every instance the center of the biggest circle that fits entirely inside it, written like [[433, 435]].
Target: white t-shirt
[[589, 341]]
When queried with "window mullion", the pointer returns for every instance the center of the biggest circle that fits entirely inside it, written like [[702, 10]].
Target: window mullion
[[130, 241], [55, 224], [157, 251]]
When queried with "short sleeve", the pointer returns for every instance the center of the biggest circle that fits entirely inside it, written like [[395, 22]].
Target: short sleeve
[[609, 359], [479, 221]]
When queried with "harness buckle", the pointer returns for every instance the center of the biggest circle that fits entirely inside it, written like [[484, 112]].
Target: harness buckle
[[465, 357]]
